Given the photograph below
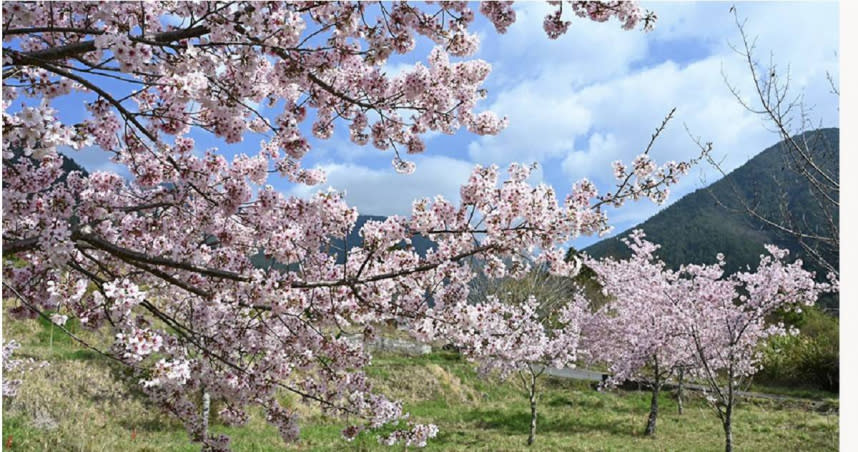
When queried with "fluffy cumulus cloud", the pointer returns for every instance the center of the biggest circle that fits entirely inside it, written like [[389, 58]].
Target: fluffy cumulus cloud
[[533, 78], [580, 162], [94, 159], [703, 105], [536, 132], [381, 191], [588, 52]]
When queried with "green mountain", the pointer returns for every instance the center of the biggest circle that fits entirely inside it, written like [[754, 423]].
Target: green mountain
[[712, 219]]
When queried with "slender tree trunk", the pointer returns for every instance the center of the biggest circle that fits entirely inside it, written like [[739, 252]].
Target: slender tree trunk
[[653, 406], [679, 390], [728, 411], [532, 436], [205, 414]]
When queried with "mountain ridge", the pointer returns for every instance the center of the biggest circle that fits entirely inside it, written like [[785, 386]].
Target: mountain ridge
[[711, 220]]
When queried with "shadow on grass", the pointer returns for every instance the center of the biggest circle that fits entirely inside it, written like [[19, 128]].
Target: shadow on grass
[[586, 401], [152, 425], [519, 423], [83, 355], [627, 403]]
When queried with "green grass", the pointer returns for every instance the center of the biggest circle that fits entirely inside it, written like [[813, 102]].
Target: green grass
[[801, 393], [76, 404]]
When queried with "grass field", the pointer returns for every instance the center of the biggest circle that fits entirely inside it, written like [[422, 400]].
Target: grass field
[[75, 404]]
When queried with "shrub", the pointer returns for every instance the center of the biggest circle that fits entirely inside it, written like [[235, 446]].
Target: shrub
[[810, 359]]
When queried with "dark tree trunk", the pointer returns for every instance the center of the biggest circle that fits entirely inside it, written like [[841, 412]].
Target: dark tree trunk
[[532, 436], [727, 419], [653, 412], [653, 406], [728, 430], [679, 390]]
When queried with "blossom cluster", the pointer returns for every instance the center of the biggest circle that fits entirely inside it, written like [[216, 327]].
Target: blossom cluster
[[169, 372], [506, 337], [417, 436], [139, 343], [12, 366]]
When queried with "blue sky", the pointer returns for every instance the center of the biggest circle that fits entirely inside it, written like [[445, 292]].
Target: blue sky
[[594, 96]]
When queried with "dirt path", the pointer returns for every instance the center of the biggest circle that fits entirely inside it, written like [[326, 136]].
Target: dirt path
[[591, 375]]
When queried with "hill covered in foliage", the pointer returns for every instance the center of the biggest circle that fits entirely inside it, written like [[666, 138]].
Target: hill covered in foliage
[[712, 219]]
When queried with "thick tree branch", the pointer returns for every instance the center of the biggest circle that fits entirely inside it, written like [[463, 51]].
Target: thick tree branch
[[79, 48]]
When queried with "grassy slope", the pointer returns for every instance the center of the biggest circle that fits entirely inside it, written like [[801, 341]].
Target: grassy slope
[[91, 412]]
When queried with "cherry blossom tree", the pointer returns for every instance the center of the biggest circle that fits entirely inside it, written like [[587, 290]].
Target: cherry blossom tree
[[161, 259], [726, 319], [511, 336], [516, 324], [636, 332], [695, 318]]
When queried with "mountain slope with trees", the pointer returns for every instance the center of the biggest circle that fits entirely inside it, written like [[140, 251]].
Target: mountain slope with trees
[[712, 219]]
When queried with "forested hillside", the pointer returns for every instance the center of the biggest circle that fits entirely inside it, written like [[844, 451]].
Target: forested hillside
[[712, 220]]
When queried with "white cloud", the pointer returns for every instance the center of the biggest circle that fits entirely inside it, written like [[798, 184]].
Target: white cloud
[[589, 51], [793, 30], [382, 191], [629, 109], [580, 163], [395, 69], [94, 159], [540, 126]]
